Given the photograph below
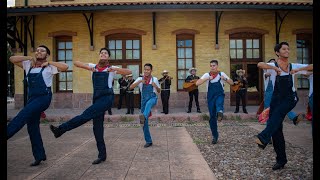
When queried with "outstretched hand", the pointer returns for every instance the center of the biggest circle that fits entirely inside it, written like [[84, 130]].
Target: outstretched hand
[[293, 71]]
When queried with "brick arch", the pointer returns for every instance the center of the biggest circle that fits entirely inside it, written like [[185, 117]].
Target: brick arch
[[302, 31], [185, 31], [62, 33], [247, 30], [123, 30]]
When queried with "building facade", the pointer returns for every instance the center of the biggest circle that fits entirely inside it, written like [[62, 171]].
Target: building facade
[[171, 35]]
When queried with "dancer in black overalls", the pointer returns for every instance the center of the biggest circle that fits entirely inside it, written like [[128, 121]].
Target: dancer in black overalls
[[123, 82], [215, 96], [39, 79], [165, 83], [195, 92], [284, 99], [103, 98], [130, 95]]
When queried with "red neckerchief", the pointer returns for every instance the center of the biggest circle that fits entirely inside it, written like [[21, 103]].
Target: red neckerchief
[[147, 79], [100, 69], [214, 75]]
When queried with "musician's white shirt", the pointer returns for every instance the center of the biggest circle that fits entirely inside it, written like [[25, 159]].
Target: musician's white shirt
[[216, 79], [152, 79]]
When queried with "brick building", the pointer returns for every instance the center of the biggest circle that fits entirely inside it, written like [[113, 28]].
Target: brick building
[[172, 35]]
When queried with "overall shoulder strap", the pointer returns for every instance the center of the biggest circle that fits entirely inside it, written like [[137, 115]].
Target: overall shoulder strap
[[290, 67], [275, 63], [42, 69]]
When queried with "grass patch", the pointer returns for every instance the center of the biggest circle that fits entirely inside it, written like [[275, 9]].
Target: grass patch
[[198, 141], [204, 117], [126, 119]]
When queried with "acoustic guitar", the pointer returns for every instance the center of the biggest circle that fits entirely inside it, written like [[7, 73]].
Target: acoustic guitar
[[236, 87], [189, 86]]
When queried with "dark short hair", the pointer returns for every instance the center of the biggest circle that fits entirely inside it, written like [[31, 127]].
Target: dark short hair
[[106, 50], [277, 47], [214, 61], [47, 49], [271, 60], [148, 64]]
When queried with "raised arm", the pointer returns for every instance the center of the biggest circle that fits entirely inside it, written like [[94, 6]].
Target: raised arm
[[306, 68], [263, 65], [17, 60], [135, 84], [123, 71], [83, 65], [60, 65], [201, 81]]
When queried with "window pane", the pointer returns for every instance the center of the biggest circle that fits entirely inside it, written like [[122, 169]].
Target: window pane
[[239, 53], [181, 64], [135, 70], [305, 53], [128, 54], [181, 53], [62, 86], [180, 43], [188, 52], [112, 52], [68, 45], [188, 63], [119, 44], [70, 64], [256, 53], [299, 43], [232, 43], [188, 43], [180, 84], [128, 44], [62, 76], [305, 83], [299, 53], [112, 44], [61, 45], [181, 74], [249, 53], [136, 54], [249, 43], [118, 54], [239, 43], [299, 60], [69, 84], [69, 55], [61, 55], [232, 53], [69, 76], [256, 43], [136, 44], [306, 61]]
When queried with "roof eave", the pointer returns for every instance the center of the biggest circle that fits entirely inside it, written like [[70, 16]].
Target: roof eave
[[30, 10]]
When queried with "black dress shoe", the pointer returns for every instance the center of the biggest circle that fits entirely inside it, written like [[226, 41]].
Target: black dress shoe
[[245, 112], [198, 111], [99, 160], [214, 141], [56, 131], [189, 111], [220, 116], [110, 112], [132, 113], [236, 111], [37, 162], [260, 143], [147, 145], [127, 113], [277, 166]]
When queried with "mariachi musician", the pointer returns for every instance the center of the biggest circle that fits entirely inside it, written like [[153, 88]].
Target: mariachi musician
[[129, 95], [242, 91], [165, 83], [193, 79]]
